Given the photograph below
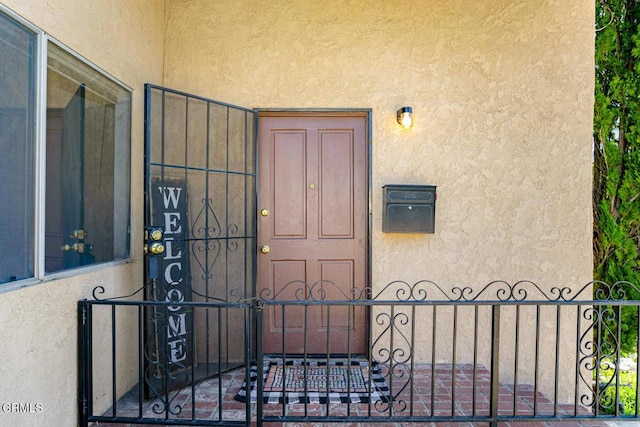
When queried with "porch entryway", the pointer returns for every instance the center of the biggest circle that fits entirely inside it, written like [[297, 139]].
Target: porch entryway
[[227, 289], [201, 162]]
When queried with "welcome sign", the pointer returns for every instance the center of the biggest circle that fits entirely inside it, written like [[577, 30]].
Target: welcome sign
[[172, 335]]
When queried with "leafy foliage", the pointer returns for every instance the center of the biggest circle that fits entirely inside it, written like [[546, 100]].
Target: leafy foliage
[[616, 157], [617, 388]]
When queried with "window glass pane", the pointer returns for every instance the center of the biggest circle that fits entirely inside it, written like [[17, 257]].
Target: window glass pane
[[17, 132], [88, 148]]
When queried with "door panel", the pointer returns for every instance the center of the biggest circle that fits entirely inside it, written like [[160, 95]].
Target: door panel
[[336, 192], [288, 183], [337, 271], [285, 272], [313, 184], [54, 234], [65, 245], [72, 179]]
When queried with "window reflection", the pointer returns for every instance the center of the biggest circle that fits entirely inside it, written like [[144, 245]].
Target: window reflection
[[88, 133], [17, 147]]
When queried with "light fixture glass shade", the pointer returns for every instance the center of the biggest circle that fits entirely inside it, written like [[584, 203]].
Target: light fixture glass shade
[[405, 117]]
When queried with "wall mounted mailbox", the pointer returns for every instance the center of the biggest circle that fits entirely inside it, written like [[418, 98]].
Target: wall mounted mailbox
[[408, 208]]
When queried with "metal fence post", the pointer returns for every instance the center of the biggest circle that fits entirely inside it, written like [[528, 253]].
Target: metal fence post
[[495, 365], [247, 356], [83, 363], [259, 364]]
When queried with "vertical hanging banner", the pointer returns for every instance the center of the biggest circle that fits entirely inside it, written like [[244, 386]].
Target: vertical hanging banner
[[171, 336]]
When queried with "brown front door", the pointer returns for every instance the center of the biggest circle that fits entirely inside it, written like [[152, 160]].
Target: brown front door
[[312, 204]]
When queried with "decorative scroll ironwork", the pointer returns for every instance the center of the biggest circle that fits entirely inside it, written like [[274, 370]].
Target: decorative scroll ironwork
[[207, 240], [392, 350], [599, 347], [315, 292], [234, 295], [159, 372], [206, 214], [393, 337], [502, 291], [427, 290]]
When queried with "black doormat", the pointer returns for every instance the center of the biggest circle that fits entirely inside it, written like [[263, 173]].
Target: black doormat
[[316, 382]]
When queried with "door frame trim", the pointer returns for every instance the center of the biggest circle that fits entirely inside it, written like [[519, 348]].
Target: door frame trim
[[366, 113]]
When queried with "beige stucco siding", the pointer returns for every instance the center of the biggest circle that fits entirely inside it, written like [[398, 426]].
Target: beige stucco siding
[[502, 98], [38, 361], [502, 95]]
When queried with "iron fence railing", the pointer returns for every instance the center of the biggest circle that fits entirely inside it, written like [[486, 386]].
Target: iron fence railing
[[501, 353]]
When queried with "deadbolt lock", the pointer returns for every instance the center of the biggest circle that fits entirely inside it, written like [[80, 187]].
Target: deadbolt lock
[[264, 212], [79, 234], [265, 249], [153, 234]]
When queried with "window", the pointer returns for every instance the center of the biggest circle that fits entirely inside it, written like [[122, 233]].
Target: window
[[87, 185], [17, 148], [85, 203]]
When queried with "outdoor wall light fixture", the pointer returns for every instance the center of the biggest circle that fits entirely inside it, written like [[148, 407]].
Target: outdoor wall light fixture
[[405, 117]]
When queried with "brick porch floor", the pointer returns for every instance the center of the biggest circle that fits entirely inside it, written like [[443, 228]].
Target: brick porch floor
[[418, 403]]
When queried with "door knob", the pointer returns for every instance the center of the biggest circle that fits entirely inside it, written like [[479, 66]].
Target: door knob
[[265, 249], [156, 248], [76, 247]]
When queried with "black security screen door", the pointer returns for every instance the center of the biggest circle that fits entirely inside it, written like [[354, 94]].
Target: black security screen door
[[200, 189]]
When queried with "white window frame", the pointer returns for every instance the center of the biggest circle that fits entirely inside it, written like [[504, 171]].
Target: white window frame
[[40, 159]]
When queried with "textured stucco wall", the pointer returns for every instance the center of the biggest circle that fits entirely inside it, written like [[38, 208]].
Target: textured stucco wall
[[38, 360], [502, 97]]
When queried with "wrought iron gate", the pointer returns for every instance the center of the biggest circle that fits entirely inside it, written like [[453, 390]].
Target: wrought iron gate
[[200, 186]]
